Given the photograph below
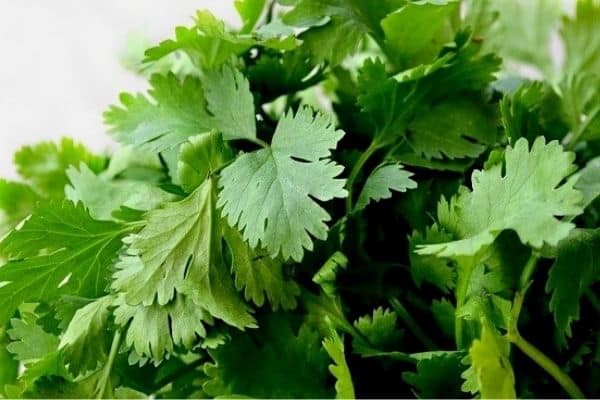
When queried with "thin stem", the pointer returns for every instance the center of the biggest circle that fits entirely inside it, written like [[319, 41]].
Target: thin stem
[[574, 139], [528, 271], [179, 372], [547, 364], [105, 378], [364, 157], [462, 288], [412, 325]]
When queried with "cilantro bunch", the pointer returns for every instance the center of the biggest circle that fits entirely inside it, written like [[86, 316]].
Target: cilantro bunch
[[340, 198]]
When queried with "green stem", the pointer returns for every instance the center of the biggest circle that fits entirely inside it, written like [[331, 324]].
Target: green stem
[[462, 288], [581, 129], [179, 372], [593, 299], [528, 271], [106, 371], [364, 157], [547, 364], [412, 325]]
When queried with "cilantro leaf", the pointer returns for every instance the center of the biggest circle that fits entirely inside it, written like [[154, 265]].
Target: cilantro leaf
[[269, 193], [16, 202], [426, 268], [174, 112], [30, 342], [575, 269], [230, 102], [259, 275], [59, 250], [83, 342], [378, 331], [335, 348], [526, 197], [44, 165], [180, 252], [438, 376], [382, 180], [490, 372], [154, 331]]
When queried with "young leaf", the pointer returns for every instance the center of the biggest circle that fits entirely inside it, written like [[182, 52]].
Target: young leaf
[[381, 182], [269, 193], [30, 342], [527, 197], [174, 112], [437, 377], [335, 348]]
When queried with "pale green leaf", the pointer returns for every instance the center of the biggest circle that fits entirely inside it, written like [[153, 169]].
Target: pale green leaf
[[381, 182], [334, 345]]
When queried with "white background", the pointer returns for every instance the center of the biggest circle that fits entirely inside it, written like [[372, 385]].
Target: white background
[[59, 63]]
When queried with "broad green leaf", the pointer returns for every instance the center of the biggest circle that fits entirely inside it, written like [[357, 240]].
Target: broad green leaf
[[269, 194], [581, 40], [455, 128], [154, 331], [416, 32], [250, 12], [44, 165], [589, 181], [102, 198], [576, 268], [334, 345], [84, 342], [59, 250], [381, 182], [258, 275], [527, 195], [180, 252], [490, 373], [200, 157], [230, 102], [277, 362], [437, 377], [174, 111]]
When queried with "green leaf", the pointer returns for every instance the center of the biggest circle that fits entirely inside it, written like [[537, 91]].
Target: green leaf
[[437, 377], [334, 346], [200, 157], [589, 181], [16, 202], [580, 36], [154, 331], [455, 128], [444, 314], [426, 268], [230, 102], [269, 193], [576, 268], [258, 275], [490, 372], [83, 343], [9, 367], [326, 276], [174, 111], [30, 342], [44, 165], [180, 252], [382, 181], [526, 195], [59, 250], [416, 32], [102, 198], [378, 332], [268, 364]]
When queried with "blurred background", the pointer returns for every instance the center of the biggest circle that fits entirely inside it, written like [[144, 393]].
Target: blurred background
[[62, 63]]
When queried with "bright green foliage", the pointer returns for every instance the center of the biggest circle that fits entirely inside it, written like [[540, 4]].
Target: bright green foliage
[[285, 180], [382, 181], [44, 165], [279, 363], [268, 194], [180, 252], [228, 89], [490, 372], [83, 340], [576, 267], [527, 197], [174, 112], [335, 348], [59, 241]]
